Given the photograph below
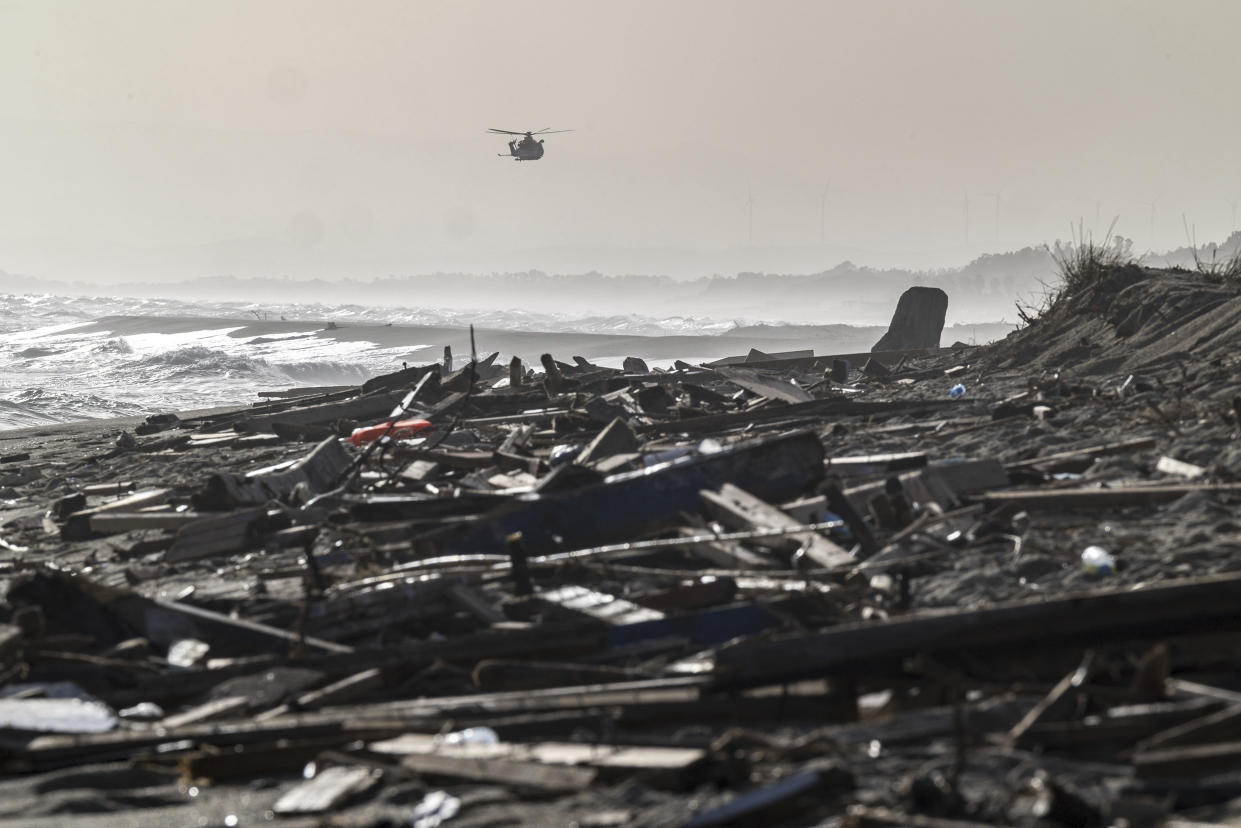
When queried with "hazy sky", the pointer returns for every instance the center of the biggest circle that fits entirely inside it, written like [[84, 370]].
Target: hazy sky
[[165, 139]]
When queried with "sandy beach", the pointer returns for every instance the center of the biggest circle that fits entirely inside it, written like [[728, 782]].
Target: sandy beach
[[1109, 421]]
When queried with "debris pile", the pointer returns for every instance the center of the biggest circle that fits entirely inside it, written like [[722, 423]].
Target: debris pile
[[775, 589]]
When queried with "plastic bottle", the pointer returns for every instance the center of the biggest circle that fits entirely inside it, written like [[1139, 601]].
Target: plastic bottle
[[1098, 561], [956, 391]]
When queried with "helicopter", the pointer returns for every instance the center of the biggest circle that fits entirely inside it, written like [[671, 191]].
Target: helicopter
[[527, 148]]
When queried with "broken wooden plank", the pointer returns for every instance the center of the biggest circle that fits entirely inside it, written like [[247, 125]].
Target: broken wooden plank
[[501, 674], [218, 535], [327, 789], [113, 522], [1075, 620], [728, 554], [78, 525], [1057, 704], [347, 689], [1079, 460], [738, 508], [765, 385], [1188, 761], [225, 708], [364, 409], [601, 756], [1220, 726], [319, 470], [615, 438], [527, 775], [1121, 497], [876, 463], [634, 503], [796, 411], [476, 603]]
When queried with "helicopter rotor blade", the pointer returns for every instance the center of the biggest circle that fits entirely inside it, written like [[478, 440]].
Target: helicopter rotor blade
[[550, 131], [506, 132]]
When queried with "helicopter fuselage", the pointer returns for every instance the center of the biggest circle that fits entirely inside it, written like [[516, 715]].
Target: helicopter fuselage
[[525, 150]]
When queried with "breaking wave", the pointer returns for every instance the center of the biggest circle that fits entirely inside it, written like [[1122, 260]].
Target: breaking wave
[[57, 365]]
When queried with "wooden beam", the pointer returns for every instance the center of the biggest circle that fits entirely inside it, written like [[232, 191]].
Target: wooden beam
[[1083, 499], [320, 470], [514, 773], [78, 525], [1075, 620], [1081, 459], [765, 385], [632, 504], [742, 510]]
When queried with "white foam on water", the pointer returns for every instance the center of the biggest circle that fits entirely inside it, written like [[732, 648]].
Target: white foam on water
[[58, 365]]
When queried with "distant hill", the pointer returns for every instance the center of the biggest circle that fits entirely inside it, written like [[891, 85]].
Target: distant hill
[[985, 290]]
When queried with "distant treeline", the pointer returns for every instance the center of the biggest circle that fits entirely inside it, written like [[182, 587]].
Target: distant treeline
[[986, 289]]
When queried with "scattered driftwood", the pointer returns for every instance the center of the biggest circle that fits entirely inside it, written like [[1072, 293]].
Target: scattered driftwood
[[778, 589]]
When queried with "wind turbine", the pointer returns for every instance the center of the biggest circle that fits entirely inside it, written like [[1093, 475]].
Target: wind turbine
[[749, 204], [1151, 204], [997, 196], [823, 212], [1232, 202]]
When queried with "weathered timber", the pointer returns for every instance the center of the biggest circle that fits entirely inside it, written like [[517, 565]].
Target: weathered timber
[[798, 411], [320, 470], [765, 385], [229, 707], [1077, 620], [638, 502], [326, 789], [728, 554], [364, 409], [1220, 726], [1090, 499], [507, 674], [604, 757], [347, 689], [77, 526], [111, 522], [615, 438], [1078, 460], [850, 465], [522, 775], [741, 510], [308, 391], [218, 535], [1188, 761], [76, 749], [548, 640]]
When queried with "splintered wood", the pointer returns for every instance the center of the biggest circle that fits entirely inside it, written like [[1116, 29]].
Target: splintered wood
[[769, 590]]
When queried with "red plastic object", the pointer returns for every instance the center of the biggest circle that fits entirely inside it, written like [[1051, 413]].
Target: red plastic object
[[402, 429]]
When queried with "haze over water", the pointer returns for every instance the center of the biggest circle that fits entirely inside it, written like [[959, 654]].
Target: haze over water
[[158, 141]]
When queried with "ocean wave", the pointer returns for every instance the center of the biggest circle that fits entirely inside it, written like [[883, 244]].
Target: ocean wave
[[197, 360], [33, 406]]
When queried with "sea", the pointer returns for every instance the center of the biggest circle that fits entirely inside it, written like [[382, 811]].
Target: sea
[[57, 365]]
